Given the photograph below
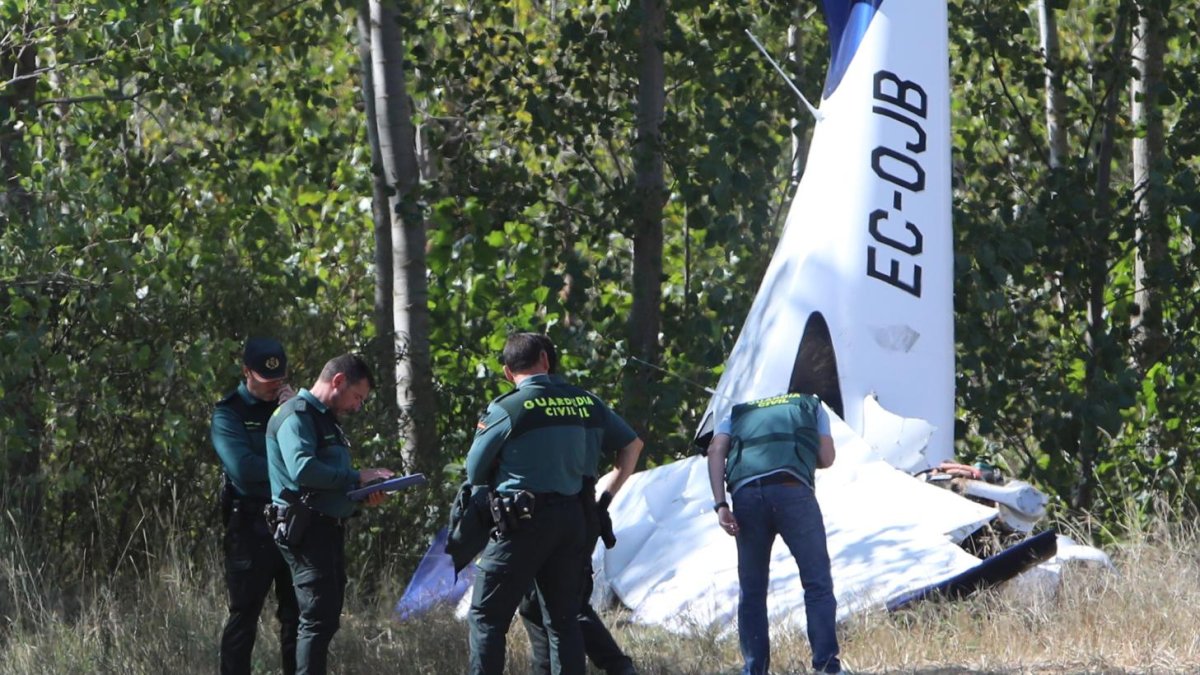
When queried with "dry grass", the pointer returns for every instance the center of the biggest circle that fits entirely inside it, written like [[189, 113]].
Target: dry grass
[[1144, 617]]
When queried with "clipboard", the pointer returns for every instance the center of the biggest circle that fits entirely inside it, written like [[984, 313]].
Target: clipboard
[[389, 485]]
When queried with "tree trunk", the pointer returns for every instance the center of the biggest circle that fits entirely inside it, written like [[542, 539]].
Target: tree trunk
[[410, 299], [22, 446], [1151, 254], [384, 350], [1056, 128], [645, 319], [18, 61], [800, 124], [1098, 263]]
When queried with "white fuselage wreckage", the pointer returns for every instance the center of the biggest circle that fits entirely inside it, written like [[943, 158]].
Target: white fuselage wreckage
[[856, 307]]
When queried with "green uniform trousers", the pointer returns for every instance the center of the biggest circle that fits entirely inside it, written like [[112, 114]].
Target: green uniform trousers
[[549, 552], [318, 567], [598, 643], [252, 566]]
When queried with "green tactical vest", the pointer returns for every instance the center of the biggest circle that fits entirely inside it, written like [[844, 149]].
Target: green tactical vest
[[329, 432], [772, 434], [547, 448], [332, 448], [254, 420]]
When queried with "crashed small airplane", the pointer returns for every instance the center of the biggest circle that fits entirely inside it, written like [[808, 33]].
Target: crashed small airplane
[[856, 307]]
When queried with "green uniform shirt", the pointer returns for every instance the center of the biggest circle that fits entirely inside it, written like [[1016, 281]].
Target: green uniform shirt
[[544, 436], [306, 450], [605, 438], [773, 434], [239, 435]]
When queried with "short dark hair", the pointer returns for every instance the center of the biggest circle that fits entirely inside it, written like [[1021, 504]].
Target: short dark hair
[[352, 366], [522, 350], [551, 352]]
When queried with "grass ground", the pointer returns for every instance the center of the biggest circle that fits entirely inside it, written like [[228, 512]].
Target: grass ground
[[1144, 616]]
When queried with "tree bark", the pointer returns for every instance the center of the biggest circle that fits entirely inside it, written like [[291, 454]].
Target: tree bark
[[22, 446], [410, 296], [1151, 254], [383, 349], [1097, 265], [645, 319], [1056, 128], [800, 124], [17, 61]]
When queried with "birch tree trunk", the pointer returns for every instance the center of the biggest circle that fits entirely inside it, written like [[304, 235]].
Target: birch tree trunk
[[1055, 99], [1151, 254], [385, 332], [410, 299], [800, 123]]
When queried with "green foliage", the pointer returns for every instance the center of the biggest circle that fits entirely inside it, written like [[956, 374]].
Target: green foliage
[[181, 175], [1046, 387]]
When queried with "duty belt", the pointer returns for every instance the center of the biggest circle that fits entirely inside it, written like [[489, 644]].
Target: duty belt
[[777, 478], [330, 520], [552, 498]]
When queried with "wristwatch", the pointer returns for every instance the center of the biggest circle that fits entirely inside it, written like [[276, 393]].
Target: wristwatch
[[718, 505]]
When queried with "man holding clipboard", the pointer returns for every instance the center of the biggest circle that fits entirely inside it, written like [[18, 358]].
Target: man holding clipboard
[[308, 459]]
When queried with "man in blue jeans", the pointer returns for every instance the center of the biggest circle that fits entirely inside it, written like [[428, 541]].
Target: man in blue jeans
[[767, 452]]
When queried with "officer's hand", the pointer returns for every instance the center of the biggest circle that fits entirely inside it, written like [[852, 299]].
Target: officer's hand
[[727, 521], [376, 498], [285, 392], [369, 475]]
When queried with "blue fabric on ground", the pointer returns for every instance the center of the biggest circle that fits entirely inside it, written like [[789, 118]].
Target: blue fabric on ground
[[433, 583]]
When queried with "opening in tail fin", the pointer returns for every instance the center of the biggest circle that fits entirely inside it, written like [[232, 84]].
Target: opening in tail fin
[[815, 370]]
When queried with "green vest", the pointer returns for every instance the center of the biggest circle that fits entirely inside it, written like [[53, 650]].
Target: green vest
[[772, 434], [547, 447]]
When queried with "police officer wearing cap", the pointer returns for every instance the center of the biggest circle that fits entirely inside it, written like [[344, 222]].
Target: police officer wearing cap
[[766, 453], [532, 448], [252, 562], [308, 456]]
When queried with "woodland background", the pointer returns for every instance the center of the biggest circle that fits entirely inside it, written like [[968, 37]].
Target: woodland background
[[417, 179]]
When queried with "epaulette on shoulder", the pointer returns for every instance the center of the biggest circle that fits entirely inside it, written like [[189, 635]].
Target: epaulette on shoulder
[[296, 404], [228, 398], [505, 395]]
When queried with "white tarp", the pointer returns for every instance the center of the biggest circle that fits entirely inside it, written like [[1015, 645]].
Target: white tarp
[[888, 533]]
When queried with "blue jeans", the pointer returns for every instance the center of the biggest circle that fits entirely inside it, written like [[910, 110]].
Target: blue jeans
[[791, 511]]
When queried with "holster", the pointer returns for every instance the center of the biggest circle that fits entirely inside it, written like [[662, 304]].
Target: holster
[[226, 497], [289, 523], [511, 514]]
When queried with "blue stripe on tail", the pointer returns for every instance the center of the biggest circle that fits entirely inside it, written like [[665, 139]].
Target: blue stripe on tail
[[848, 21]]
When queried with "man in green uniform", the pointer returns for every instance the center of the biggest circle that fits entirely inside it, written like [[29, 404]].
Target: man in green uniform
[[766, 452], [308, 459], [252, 562], [615, 439], [532, 449]]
